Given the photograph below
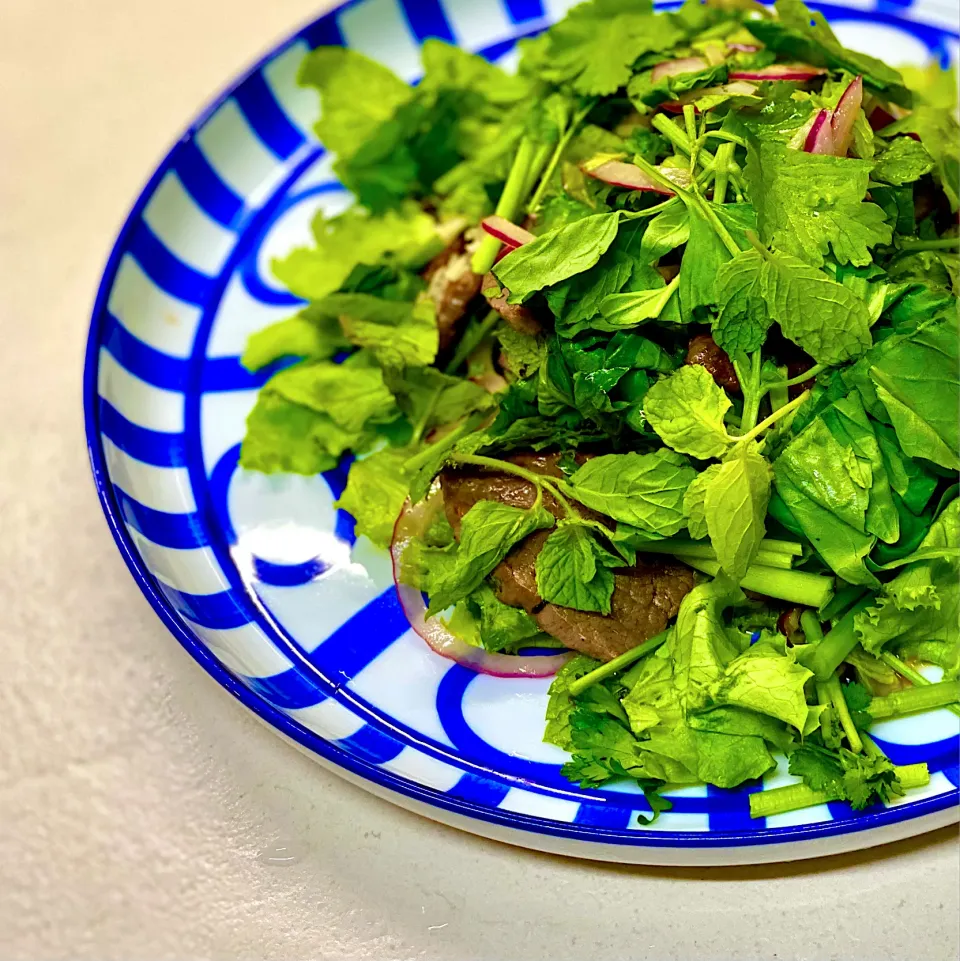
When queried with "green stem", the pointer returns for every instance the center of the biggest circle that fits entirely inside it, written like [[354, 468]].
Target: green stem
[[649, 211], [690, 123], [752, 393], [509, 204], [914, 699], [470, 340], [905, 670], [657, 177], [727, 137], [944, 243], [714, 221], [448, 440], [782, 547], [773, 418], [778, 391], [811, 627], [835, 646], [562, 144], [617, 664], [783, 799], [800, 587], [842, 601], [704, 551], [839, 703], [505, 467], [806, 375], [724, 158]]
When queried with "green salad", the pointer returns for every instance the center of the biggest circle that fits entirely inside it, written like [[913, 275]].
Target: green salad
[[645, 360]]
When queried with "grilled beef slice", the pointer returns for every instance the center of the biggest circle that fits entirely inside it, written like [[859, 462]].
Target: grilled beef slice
[[451, 284], [645, 596]]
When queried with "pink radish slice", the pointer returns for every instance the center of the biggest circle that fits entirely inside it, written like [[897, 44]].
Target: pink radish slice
[[845, 116], [820, 136], [412, 522], [506, 232], [680, 176], [671, 68], [620, 174], [779, 71], [743, 47], [739, 88]]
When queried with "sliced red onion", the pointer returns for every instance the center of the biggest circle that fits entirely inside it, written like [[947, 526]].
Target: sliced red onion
[[630, 177], [412, 522], [743, 47], [671, 68], [506, 232], [845, 116], [779, 71], [820, 136], [738, 88]]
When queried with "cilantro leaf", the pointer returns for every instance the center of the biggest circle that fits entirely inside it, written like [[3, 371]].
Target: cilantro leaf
[[595, 46], [735, 505], [845, 776], [487, 533], [687, 409], [808, 204], [557, 255], [560, 704], [573, 570], [643, 490]]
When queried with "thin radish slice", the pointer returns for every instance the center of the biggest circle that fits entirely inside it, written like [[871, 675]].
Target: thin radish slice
[[680, 176], [845, 116], [779, 71], [743, 47], [738, 88], [820, 137], [411, 523], [671, 68], [506, 232], [620, 174]]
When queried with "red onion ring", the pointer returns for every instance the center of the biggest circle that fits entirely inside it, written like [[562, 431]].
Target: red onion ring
[[412, 521]]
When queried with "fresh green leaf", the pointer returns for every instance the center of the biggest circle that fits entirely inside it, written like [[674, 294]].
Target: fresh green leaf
[[556, 256], [357, 95], [667, 231], [522, 353], [642, 490], [687, 409], [404, 236], [939, 133], [375, 493], [902, 162], [809, 204], [560, 704], [744, 316], [304, 335], [573, 570], [501, 627], [487, 533], [694, 502], [735, 505]]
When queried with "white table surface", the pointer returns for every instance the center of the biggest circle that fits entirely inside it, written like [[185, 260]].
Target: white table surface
[[143, 812]]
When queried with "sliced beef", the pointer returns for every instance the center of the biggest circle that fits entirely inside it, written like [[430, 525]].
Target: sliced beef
[[451, 284], [645, 597], [520, 318], [704, 351]]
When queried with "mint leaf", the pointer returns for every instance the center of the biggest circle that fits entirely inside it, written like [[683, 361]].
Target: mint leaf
[[397, 331], [917, 382], [643, 490], [522, 354], [357, 95], [938, 131], [406, 236], [375, 493], [487, 533], [573, 570], [744, 316], [556, 256], [902, 162], [500, 627], [809, 204], [686, 409], [665, 232], [735, 505], [694, 502], [622, 311]]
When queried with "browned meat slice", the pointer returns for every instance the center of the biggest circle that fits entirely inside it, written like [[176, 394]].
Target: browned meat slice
[[704, 351], [645, 597], [520, 318], [451, 284]]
